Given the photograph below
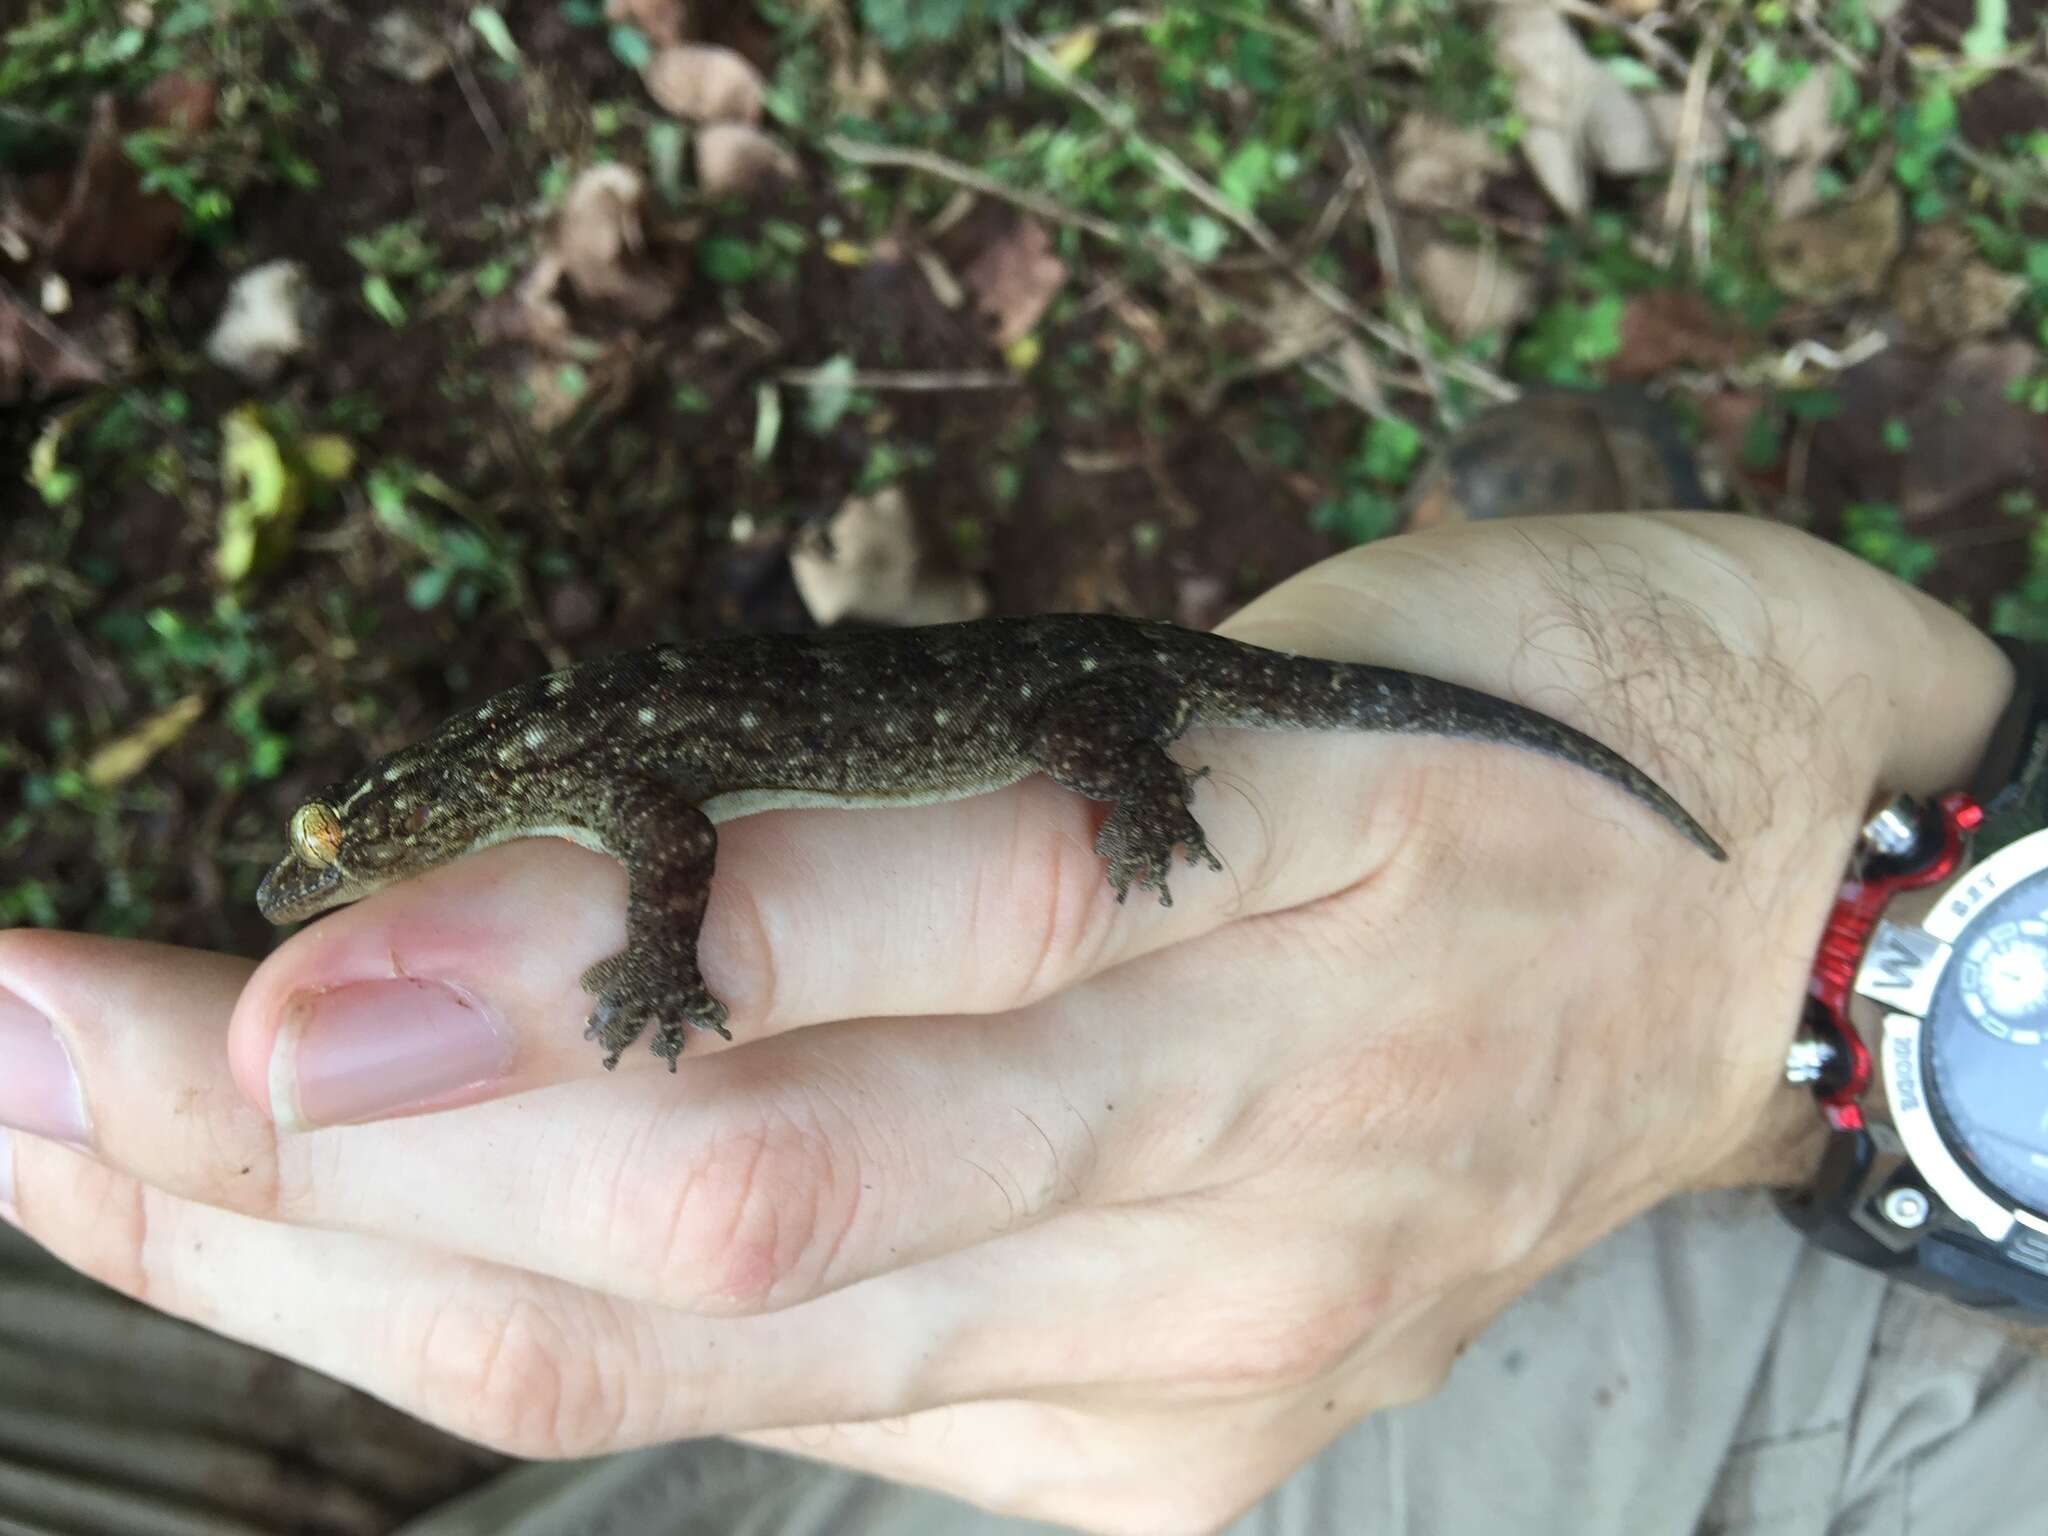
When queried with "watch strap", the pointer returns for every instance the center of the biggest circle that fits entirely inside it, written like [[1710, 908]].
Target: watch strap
[[1838, 1209], [1958, 1265]]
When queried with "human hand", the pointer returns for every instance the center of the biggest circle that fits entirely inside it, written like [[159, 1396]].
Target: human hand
[[1107, 1215]]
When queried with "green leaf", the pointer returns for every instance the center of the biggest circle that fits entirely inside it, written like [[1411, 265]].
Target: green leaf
[[1358, 516], [630, 46], [767, 422], [665, 159], [832, 394], [1246, 175], [1391, 449], [429, 586], [490, 26], [724, 259], [1875, 531], [1986, 39], [1897, 435], [383, 300]]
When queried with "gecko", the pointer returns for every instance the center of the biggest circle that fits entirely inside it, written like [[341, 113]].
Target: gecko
[[642, 754]]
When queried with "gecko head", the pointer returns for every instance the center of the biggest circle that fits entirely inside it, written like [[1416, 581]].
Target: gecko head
[[361, 835]]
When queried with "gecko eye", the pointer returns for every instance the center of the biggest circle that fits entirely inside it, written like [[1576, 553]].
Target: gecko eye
[[316, 834]]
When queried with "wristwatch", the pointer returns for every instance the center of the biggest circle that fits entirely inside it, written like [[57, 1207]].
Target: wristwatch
[[1925, 1032]]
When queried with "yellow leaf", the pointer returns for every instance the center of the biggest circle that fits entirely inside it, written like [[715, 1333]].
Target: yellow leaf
[[846, 253], [1076, 48], [121, 759], [328, 457], [264, 496], [1022, 354]]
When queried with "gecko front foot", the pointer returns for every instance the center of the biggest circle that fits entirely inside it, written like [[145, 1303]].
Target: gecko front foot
[[633, 995]]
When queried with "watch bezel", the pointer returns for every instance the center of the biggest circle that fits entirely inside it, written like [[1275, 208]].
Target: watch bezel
[[1889, 978]]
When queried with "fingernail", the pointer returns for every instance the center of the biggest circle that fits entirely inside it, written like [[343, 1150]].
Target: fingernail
[[39, 1092], [373, 1047], [8, 1213]]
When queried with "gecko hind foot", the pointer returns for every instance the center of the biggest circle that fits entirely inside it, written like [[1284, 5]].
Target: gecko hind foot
[[1138, 843]]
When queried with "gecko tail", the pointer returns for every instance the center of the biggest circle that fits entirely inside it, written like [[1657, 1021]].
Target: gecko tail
[[1303, 693]]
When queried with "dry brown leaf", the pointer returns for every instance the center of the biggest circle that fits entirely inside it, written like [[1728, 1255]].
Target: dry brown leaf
[[738, 158], [1667, 113], [1946, 293], [1842, 251], [706, 84], [1578, 116], [35, 359], [1800, 127], [1435, 164], [121, 759], [1969, 436], [664, 21], [1013, 280], [1800, 134], [1671, 328], [1471, 291], [95, 220], [601, 245], [866, 563]]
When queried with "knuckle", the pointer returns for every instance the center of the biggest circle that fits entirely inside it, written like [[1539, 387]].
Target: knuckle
[[754, 1223], [514, 1380], [1304, 1329]]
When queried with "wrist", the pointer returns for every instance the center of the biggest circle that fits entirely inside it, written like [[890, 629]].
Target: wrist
[[1946, 686]]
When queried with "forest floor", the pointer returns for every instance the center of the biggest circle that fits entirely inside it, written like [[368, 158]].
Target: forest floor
[[572, 330]]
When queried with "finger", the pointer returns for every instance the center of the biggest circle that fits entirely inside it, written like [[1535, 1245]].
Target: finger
[[760, 1179], [536, 1367], [974, 907]]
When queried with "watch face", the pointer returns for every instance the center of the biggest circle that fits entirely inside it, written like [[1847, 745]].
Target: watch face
[[1986, 1043]]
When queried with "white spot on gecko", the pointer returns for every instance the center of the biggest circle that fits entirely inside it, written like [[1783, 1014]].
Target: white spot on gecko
[[940, 717], [535, 736], [557, 686], [646, 717], [1087, 663], [393, 774], [748, 720], [1024, 692], [509, 753]]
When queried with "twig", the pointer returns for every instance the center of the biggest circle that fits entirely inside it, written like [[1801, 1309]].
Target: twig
[[952, 170], [1685, 155], [1640, 37], [1177, 172], [1388, 243], [479, 108], [906, 382]]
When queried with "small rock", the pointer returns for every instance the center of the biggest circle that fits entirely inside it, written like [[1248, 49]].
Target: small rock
[[1435, 164], [601, 244], [1014, 279], [705, 84], [407, 49], [738, 158], [272, 315]]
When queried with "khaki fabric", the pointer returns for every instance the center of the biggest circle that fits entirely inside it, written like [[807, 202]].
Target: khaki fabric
[[1703, 1372]]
